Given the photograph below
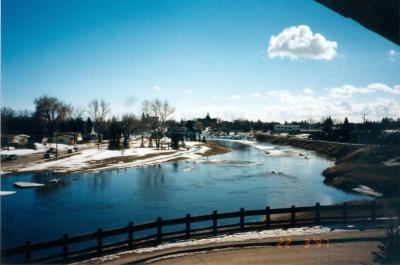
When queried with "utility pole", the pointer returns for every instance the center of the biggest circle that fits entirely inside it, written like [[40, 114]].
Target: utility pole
[[363, 115], [56, 144]]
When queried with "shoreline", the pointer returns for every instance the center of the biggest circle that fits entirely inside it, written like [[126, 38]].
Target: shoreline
[[93, 159], [356, 167]]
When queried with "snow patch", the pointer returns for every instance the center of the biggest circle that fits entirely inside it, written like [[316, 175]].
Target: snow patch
[[367, 190], [5, 193]]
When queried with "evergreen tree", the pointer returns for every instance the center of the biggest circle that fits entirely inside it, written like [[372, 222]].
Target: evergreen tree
[[345, 131], [389, 248], [327, 126]]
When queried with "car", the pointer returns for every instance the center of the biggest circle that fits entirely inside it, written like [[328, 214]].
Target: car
[[49, 155], [9, 157], [13, 157], [51, 150], [4, 157]]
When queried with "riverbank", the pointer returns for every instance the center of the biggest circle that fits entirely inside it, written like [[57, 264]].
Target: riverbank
[[365, 168], [96, 159]]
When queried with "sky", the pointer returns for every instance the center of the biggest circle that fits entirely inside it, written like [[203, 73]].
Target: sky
[[269, 60]]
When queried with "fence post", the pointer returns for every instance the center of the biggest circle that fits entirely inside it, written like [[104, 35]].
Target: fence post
[[28, 250], [65, 247], [317, 213], [373, 214], [242, 219], [293, 215], [267, 217], [344, 213], [215, 223], [99, 241], [159, 230], [130, 234], [187, 225]]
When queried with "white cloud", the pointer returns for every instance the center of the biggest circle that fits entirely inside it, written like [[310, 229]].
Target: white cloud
[[215, 98], [234, 98], [188, 91], [157, 88], [377, 99], [346, 91], [308, 91], [300, 43], [289, 106], [393, 55]]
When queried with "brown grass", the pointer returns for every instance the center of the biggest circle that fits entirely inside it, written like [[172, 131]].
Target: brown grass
[[215, 149]]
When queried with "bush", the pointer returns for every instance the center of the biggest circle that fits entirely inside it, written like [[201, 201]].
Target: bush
[[389, 248]]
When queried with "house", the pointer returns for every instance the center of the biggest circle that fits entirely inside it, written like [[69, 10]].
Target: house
[[67, 138], [286, 128], [15, 140]]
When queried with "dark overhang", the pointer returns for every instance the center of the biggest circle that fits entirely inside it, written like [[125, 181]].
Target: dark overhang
[[380, 16]]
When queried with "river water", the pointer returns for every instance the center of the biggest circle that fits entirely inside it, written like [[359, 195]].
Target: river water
[[245, 177]]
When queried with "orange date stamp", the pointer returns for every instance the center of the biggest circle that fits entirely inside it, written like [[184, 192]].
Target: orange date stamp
[[307, 243]]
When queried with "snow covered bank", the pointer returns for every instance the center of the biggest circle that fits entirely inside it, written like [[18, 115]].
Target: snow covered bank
[[99, 159]]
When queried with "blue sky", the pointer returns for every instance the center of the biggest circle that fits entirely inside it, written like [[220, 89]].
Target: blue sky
[[202, 56]]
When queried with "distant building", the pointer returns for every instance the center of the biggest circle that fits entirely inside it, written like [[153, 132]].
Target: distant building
[[67, 138], [278, 128], [15, 140], [206, 122]]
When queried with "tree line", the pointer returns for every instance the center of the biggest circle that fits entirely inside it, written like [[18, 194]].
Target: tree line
[[52, 115]]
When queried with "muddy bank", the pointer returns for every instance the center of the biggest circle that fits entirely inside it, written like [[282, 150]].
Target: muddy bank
[[376, 167], [215, 149]]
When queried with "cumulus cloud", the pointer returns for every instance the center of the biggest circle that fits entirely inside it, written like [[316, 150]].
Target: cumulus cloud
[[234, 98], [393, 55], [298, 43], [188, 91], [157, 88]]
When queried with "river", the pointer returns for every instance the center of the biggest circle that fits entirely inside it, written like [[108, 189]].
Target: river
[[245, 177]]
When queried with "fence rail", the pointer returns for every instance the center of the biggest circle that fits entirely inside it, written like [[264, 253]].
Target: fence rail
[[297, 216]]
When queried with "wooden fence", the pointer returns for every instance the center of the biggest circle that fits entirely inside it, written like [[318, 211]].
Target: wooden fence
[[98, 243]]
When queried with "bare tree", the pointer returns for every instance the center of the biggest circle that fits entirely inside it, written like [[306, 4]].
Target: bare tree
[[77, 112], [93, 110], [155, 114], [98, 111], [156, 108], [50, 111], [163, 110]]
